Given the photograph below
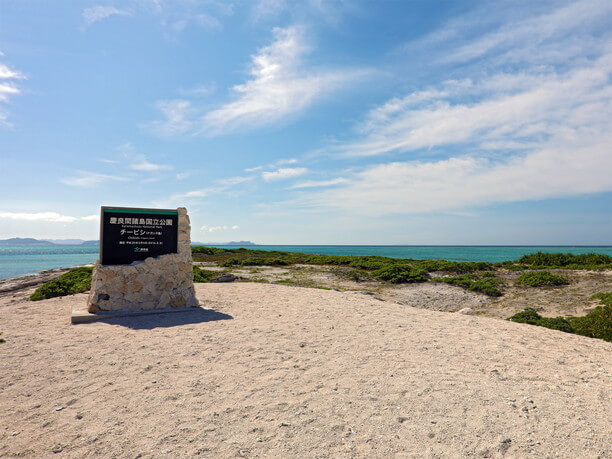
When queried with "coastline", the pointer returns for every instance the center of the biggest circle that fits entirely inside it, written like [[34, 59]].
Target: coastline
[[13, 284]]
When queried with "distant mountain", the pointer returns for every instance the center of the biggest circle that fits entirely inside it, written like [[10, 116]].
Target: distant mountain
[[65, 241], [25, 241], [28, 241], [224, 243]]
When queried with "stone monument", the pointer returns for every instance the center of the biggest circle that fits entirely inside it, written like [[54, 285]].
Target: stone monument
[[145, 261]]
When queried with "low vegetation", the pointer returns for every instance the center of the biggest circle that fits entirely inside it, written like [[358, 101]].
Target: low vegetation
[[605, 298], [595, 324], [398, 274], [539, 260], [76, 280], [2, 340], [384, 268], [202, 275], [541, 279], [485, 283]]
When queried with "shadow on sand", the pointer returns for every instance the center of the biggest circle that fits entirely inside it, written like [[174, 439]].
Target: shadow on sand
[[172, 319]]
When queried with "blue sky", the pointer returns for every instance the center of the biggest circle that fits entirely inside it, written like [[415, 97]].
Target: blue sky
[[312, 122]]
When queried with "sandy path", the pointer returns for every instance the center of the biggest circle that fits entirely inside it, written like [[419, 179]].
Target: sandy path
[[293, 372]]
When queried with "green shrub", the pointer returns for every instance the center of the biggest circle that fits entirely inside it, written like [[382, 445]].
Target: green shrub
[[596, 324], [485, 283], [230, 262], [452, 266], [566, 260], [202, 275], [397, 274], [2, 340], [605, 297], [356, 275], [528, 316], [556, 323], [541, 278], [76, 280]]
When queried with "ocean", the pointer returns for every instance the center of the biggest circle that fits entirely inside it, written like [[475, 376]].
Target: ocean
[[21, 260]]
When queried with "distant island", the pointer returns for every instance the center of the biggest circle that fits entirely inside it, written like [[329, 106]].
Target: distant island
[[25, 241], [223, 243], [28, 241]]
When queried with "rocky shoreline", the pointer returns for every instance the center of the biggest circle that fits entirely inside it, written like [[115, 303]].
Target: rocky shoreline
[[13, 284]]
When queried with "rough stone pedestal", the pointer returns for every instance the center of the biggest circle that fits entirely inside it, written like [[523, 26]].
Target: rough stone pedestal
[[159, 282]]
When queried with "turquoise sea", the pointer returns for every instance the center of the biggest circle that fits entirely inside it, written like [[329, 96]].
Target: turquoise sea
[[19, 261]]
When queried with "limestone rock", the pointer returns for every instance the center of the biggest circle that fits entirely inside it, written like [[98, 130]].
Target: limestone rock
[[155, 283]]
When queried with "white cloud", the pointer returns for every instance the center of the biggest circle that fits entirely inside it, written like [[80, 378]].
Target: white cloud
[[177, 117], [100, 12], [543, 105], [283, 162], [223, 185], [145, 166], [318, 183], [267, 8], [578, 163], [212, 229], [254, 169], [89, 179], [283, 173], [536, 126], [91, 218], [234, 180], [550, 35], [6, 73], [8, 88], [52, 217], [280, 86], [183, 175]]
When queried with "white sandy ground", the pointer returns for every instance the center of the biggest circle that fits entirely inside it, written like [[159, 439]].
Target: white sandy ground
[[279, 371]]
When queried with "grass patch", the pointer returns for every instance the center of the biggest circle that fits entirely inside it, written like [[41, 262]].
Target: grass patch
[[596, 324], [203, 275], [485, 283], [541, 278], [76, 280], [2, 340]]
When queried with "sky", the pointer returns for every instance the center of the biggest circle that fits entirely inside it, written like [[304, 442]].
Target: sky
[[310, 122]]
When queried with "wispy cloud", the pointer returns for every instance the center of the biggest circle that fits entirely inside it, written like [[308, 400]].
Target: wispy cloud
[[8, 88], [281, 85], [213, 229], [86, 179], [509, 107], [143, 165], [318, 183], [275, 164], [283, 173], [575, 164], [524, 131], [53, 217], [221, 185], [231, 181], [100, 12], [177, 113]]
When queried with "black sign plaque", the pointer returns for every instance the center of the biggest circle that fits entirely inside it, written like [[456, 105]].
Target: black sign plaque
[[130, 234]]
